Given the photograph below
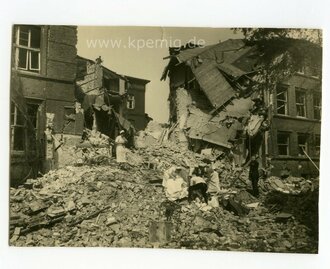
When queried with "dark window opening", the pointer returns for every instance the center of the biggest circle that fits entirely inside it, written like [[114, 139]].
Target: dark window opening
[[317, 145], [301, 103], [283, 140], [130, 101], [302, 144], [32, 111]]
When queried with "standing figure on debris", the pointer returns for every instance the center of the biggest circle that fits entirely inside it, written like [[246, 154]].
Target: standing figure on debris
[[213, 184], [120, 147], [254, 175]]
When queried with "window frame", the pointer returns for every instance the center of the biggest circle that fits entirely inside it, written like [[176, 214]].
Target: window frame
[[304, 104], [285, 89], [14, 126], [305, 145], [130, 104], [281, 144], [318, 106], [317, 146], [28, 48]]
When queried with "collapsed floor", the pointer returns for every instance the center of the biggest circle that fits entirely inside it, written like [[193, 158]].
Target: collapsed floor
[[94, 203]]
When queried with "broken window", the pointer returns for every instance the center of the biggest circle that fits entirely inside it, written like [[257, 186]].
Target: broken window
[[17, 122], [301, 103], [28, 40], [317, 145], [130, 101], [302, 144], [283, 139], [282, 100], [317, 102]]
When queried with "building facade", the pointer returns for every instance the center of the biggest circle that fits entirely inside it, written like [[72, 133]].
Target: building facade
[[110, 101], [42, 95], [216, 101], [295, 134]]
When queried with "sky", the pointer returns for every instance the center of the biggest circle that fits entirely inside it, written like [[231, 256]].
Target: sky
[[139, 52]]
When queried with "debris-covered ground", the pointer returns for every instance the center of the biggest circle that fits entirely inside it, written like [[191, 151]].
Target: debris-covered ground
[[90, 204]]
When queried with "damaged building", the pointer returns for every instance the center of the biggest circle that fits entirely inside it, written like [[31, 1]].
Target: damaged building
[[42, 97], [215, 102], [110, 101]]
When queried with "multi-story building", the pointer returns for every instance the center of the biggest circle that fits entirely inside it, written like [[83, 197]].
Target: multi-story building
[[295, 133], [42, 95], [212, 89], [108, 91]]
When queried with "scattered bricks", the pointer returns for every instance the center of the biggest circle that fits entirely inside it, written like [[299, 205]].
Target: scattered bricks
[[111, 220], [85, 201], [54, 213], [283, 217], [37, 206], [70, 206], [17, 231]]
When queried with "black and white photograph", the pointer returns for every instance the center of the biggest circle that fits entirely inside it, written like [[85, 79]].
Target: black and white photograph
[[205, 139], [179, 142]]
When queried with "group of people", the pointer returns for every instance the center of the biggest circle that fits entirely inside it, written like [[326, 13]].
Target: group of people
[[201, 183]]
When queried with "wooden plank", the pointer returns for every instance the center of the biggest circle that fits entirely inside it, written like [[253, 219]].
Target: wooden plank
[[213, 83]]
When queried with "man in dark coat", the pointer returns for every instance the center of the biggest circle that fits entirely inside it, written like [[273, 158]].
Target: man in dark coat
[[254, 175]]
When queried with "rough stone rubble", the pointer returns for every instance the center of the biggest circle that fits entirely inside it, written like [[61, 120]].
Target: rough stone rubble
[[94, 203]]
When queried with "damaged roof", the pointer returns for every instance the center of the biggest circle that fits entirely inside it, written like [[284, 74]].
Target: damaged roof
[[214, 51], [213, 83], [211, 65]]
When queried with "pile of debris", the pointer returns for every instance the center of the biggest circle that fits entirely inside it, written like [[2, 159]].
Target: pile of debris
[[102, 205]]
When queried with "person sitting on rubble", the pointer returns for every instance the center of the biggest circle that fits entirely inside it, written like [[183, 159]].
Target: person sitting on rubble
[[120, 142], [197, 188], [213, 183], [174, 184], [254, 175]]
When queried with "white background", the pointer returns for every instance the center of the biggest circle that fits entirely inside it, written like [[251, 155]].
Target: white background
[[279, 13]]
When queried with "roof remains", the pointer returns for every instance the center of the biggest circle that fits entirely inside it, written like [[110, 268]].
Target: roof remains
[[213, 83], [211, 52]]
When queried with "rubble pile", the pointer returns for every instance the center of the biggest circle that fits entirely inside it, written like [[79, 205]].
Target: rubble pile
[[102, 205]]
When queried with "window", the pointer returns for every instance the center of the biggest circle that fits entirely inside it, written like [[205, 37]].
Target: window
[[282, 100], [130, 101], [28, 39], [302, 144], [317, 102], [283, 139], [17, 122], [301, 103], [317, 145], [32, 113]]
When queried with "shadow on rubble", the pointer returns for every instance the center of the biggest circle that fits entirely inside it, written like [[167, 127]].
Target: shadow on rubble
[[303, 207]]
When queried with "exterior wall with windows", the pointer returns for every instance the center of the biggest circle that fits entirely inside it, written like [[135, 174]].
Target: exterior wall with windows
[[92, 77], [296, 126], [44, 62], [134, 109]]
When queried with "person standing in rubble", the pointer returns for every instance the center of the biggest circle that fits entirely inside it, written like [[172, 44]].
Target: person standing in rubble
[[120, 142], [213, 182], [254, 175]]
